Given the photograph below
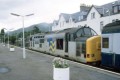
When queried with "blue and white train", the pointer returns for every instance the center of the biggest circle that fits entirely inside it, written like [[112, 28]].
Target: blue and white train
[[111, 45]]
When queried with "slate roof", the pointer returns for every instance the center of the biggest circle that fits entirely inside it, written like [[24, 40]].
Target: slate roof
[[75, 16], [103, 10], [56, 22], [65, 15], [113, 27]]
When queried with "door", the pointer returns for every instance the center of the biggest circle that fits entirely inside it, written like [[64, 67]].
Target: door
[[107, 50], [116, 50]]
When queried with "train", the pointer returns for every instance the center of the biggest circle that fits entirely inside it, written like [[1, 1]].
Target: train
[[82, 44], [110, 52]]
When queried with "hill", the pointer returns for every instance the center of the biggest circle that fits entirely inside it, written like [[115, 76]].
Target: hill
[[43, 27]]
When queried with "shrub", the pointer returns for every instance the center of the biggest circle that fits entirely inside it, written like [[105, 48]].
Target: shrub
[[60, 63]]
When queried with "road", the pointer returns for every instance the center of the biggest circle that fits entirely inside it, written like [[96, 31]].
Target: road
[[38, 66]]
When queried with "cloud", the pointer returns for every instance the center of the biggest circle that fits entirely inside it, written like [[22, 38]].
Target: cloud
[[44, 10], [7, 5]]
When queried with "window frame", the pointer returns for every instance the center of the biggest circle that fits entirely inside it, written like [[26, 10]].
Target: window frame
[[104, 43], [93, 15]]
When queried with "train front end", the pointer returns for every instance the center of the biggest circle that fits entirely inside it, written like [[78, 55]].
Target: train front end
[[93, 50]]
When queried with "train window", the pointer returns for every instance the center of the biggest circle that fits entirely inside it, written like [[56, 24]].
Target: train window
[[59, 44], [36, 42], [93, 32], [72, 37], [83, 48], [80, 33], [41, 40], [87, 31], [105, 42], [67, 37], [78, 49]]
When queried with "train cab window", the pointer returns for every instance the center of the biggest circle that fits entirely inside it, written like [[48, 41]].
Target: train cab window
[[93, 32], [105, 43], [80, 33], [87, 31], [59, 44]]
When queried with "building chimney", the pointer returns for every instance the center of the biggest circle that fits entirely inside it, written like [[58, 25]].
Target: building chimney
[[84, 7]]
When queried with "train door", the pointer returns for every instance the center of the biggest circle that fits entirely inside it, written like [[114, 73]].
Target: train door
[[107, 50], [81, 51], [67, 38], [116, 50]]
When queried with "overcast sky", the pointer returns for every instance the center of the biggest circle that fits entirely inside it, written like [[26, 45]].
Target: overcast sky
[[44, 10]]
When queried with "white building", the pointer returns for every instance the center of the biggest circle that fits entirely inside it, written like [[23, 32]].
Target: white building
[[93, 16]]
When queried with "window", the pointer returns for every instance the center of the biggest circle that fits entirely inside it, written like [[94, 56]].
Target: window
[[113, 20], [71, 37], [41, 40], [81, 49], [60, 44], [115, 9], [119, 8], [80, 17], [105, 42], [93, 15], [67, 37], [80, 33], [93, 33], [36, 42], [101, 25], [87, 31]]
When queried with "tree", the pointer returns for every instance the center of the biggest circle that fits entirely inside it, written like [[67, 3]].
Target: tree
[[2, 35], [12, 39], [2, 32], [35, 30]]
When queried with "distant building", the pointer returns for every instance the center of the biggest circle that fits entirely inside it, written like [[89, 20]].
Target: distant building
[[93, 16]]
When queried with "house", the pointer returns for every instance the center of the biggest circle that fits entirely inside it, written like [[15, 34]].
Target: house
[[93, 16]]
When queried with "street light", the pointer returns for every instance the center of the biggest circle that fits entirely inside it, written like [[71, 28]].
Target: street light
[[24, 55]]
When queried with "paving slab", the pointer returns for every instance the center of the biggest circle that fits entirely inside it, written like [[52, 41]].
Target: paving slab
[[38, 66]]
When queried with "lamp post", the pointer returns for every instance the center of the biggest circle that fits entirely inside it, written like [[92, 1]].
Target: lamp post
[[24, 54]]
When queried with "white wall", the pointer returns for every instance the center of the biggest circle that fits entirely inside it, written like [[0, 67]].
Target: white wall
[[93, 23]]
